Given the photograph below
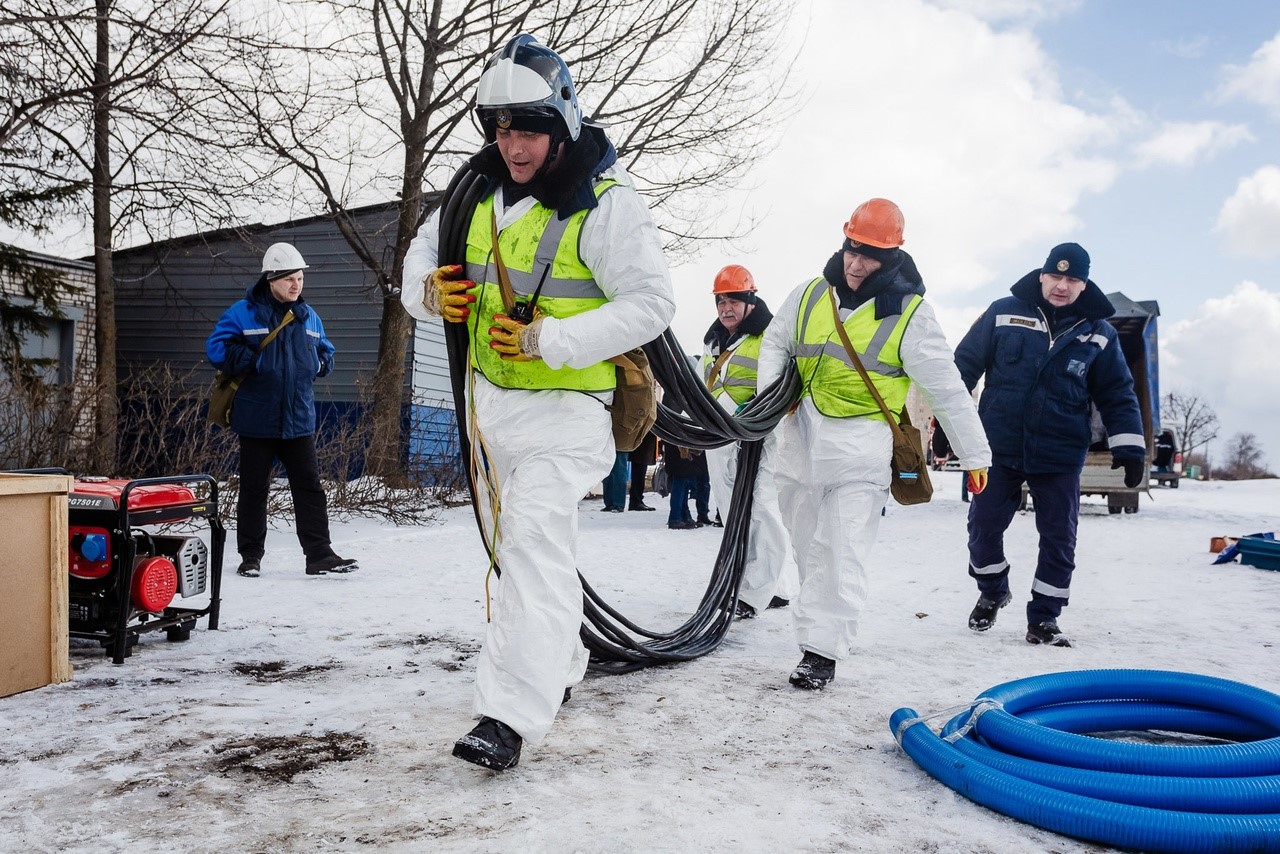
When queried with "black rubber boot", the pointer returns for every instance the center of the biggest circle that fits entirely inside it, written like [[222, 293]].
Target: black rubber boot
[[743, 611], [983, 615], [250, 567], [779, 602], [1048, 634], [491, 744]]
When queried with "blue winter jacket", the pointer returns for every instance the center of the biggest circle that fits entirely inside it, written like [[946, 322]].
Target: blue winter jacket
[[1042, 372], [276, 400]]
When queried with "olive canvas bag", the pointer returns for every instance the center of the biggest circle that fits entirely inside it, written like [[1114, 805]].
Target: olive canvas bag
[[225, 386]]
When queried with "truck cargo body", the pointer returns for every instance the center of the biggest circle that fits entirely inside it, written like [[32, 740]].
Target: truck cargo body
[[1135, 323]]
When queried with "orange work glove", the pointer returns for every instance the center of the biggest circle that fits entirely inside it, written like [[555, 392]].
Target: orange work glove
[[445, 293], [977, 481], [516, 341]]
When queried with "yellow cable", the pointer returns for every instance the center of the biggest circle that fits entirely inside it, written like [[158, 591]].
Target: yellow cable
[[480, 475]]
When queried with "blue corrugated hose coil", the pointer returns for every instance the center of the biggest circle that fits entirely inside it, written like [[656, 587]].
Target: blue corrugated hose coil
[[1023, 749]]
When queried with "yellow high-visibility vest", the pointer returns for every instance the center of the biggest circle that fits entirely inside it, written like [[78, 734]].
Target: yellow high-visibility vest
[[538, 247], [826, 370], [739, 374]]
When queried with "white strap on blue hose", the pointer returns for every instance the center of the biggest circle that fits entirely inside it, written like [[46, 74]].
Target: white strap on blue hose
[[976, 709]]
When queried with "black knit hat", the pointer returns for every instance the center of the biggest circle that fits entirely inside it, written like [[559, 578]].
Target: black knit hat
[[1068, 259], [885, 256]]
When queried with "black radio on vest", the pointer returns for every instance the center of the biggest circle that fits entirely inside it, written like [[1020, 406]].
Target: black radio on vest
[[523, 311]]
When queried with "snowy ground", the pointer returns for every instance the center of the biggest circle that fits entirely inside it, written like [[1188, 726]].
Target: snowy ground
[[321, 715]]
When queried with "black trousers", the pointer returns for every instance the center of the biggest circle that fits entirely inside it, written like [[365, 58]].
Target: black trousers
[[1057, 505], [635, 489], [298, 456]]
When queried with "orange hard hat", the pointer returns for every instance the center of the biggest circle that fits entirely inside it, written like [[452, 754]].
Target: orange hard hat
[[733, 279], [876, 222]]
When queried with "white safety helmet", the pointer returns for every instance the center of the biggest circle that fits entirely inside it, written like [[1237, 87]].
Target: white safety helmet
[[281, 259], [526, 80]]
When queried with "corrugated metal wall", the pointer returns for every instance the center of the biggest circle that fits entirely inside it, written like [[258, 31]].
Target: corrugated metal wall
[[169, 295]]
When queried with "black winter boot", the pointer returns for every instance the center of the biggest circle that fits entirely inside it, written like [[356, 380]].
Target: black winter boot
[[332, 563], [743, 611], [250, 567], [813, 672], [1047, 633], [779, 602], [983, 615], [491, 744]]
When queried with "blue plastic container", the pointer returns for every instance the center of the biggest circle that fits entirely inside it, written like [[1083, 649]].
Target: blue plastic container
[[1259, 552]]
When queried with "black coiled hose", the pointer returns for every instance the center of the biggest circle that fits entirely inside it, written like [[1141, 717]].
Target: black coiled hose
[[688, 416]]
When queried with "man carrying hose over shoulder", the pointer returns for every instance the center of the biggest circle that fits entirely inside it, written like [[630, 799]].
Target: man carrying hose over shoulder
[[572, 231]]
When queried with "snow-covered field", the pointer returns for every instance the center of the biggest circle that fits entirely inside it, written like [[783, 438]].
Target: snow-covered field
[[321, 715]]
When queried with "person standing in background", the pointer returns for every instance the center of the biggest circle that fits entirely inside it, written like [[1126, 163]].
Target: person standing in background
[[645, 455], [275, 408], [614, 485]]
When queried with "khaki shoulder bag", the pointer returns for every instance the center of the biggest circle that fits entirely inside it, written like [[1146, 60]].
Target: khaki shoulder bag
[[225, 386], [910, 483], [635, 401]]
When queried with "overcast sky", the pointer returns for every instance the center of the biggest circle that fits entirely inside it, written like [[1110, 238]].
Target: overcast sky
[[1148, 131]]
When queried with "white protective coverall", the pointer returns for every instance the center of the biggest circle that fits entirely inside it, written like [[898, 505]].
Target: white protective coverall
[[833, 474], [769, 570], [547, 449]]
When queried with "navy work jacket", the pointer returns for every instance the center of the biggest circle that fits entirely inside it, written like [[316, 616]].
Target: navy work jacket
[[1042, 373], [276, 400]]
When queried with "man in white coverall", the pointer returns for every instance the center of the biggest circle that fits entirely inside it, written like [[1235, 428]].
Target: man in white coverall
[[731, 350], [571, 228], [834, 450]]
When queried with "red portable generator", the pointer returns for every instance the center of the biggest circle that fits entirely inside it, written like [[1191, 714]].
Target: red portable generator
[[126, 566]]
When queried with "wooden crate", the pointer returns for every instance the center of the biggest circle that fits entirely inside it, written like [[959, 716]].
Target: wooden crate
[[33, 581]]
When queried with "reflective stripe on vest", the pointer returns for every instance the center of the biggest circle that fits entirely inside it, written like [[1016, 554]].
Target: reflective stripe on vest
[[826, 370], [739, 373], [538, 247]]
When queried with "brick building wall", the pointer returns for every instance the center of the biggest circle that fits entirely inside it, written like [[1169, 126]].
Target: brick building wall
[[70, 338]]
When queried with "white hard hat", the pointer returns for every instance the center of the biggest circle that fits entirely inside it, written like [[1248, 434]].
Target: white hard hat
[[281, 258]]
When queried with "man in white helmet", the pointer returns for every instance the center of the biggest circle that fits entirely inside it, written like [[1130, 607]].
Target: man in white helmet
[[572, 232], [730, 356], [276, 341]]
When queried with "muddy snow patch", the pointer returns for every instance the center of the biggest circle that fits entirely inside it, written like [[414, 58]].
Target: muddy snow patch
[[278, 671], [284, 757]]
